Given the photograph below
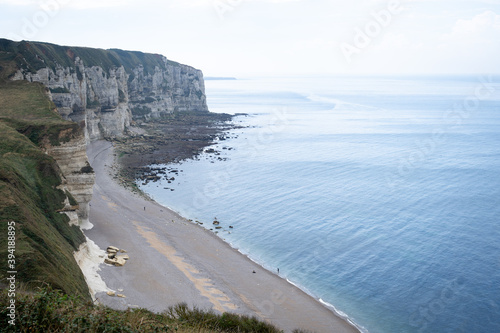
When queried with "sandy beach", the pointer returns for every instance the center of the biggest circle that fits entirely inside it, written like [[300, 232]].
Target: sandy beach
[[173, 260]]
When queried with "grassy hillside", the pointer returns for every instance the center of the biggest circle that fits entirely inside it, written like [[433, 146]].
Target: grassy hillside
[[28, 194]]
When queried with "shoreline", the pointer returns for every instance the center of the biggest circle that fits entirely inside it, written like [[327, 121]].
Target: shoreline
[[173, 260], [325, 304]]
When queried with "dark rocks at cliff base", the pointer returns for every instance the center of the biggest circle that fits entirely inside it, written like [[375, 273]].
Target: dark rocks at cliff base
[[170, 139]]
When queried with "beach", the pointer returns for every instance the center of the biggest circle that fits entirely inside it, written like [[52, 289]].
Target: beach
[[173, 260]]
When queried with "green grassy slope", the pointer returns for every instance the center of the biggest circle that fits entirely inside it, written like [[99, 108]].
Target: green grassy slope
[[28, 195]]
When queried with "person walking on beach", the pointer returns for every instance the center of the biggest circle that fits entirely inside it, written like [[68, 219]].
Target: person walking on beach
[[278, 270]]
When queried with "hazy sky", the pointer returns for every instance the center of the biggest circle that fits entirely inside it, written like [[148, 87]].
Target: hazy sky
[[241, 37]]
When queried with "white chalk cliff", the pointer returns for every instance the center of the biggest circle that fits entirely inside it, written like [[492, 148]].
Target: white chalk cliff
[[108, 98]]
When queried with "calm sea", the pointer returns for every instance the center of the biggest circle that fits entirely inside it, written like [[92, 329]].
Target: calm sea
[[380, 196]]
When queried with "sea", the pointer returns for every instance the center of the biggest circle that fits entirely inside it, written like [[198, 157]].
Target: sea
[[379, 196]]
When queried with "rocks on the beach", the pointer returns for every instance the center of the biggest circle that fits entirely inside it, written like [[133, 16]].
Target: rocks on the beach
[[113, 258], [216, 222], [111, 293], [121, 295], [109, 261], [112, 249], [119, 262]]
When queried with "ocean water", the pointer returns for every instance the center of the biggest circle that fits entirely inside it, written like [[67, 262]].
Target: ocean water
[[379, 196]]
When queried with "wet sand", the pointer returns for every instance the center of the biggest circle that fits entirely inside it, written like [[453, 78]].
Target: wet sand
[[173, 260]]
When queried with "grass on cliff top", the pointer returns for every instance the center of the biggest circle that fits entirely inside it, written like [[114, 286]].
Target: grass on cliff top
[[29, 178], [26, 101], [25, 107], [32, 56], [52, 311]]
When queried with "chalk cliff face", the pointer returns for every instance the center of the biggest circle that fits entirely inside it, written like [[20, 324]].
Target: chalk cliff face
[[109, 89], [77, 177]]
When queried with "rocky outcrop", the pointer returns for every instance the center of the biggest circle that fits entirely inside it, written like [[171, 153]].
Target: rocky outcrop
[[175, 88], [108, 89]]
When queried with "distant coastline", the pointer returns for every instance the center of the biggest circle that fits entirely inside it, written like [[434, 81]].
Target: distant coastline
[[221, 78]]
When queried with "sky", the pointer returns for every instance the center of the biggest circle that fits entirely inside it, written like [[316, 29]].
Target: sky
[[276, 37]]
